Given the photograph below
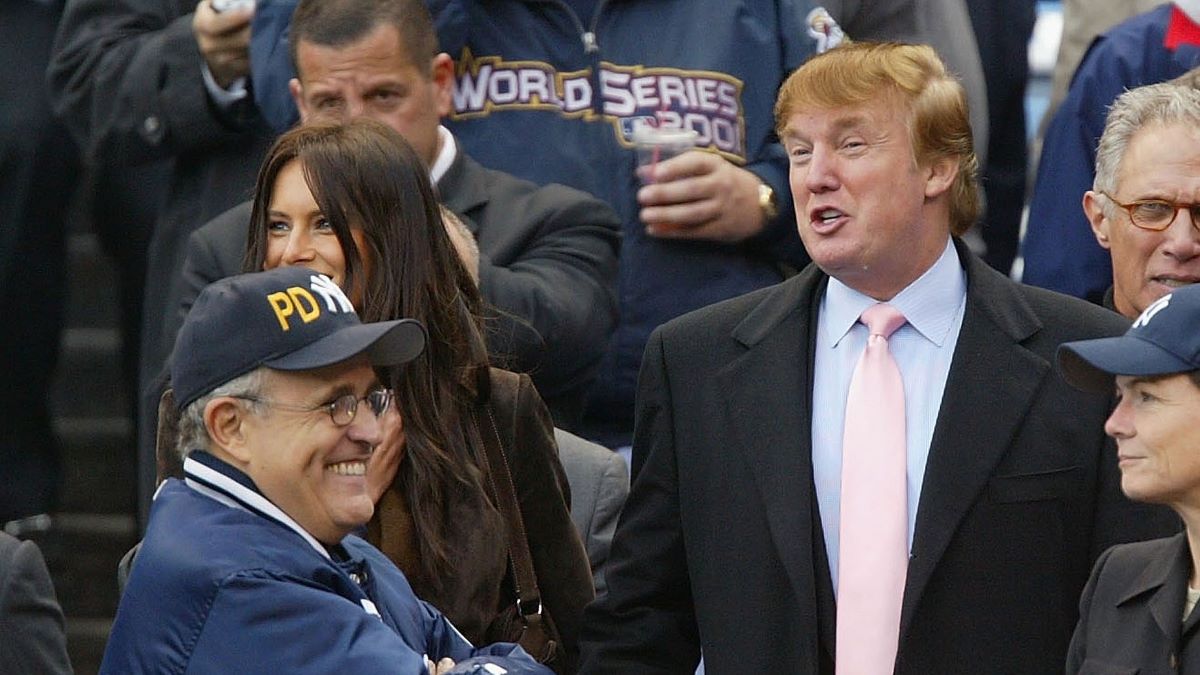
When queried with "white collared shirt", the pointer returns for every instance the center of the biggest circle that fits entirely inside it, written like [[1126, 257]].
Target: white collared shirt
[[445, 157], [923, 349]]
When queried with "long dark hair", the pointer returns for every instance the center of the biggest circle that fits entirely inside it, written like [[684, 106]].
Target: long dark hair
[[364, 173]]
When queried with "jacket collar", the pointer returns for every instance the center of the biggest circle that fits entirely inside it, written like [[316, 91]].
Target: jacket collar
[[1164, 580], [991, 370], [221, 482], [463, 187], [772, 380]]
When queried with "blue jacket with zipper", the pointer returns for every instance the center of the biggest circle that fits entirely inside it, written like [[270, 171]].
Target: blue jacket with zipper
[[226, 582]]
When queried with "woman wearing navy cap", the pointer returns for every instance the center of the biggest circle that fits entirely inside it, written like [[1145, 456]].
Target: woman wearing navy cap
[[1137, 613]]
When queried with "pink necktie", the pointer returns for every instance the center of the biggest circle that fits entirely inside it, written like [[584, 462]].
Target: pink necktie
[[873, 540]]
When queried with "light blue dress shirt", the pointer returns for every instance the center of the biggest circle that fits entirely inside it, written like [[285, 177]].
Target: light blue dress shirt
[[923, 349]]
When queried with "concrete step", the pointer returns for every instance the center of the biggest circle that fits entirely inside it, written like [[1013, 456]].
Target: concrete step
[[82, 551], [85, 643], [92, 283], [88, 382], [99, 465]]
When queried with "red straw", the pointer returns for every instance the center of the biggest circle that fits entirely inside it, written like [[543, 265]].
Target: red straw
[[662, 108]]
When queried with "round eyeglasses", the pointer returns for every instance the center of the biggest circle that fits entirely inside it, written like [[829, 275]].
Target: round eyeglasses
[[1156, 215], [341, 409]]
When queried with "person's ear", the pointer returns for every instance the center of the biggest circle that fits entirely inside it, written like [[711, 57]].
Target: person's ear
[[225, 420], [1101, 224], [442, 78], [939, 176], [297, 92]]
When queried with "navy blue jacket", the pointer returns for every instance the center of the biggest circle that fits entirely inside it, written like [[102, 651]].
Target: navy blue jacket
[[720, 68], [717, 72], [225, 582], [1060, 250]]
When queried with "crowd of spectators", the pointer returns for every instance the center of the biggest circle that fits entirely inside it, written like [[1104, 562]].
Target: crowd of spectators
[[408, 317]]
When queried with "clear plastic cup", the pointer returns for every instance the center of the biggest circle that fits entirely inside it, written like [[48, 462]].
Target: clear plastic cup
[[656, 144]]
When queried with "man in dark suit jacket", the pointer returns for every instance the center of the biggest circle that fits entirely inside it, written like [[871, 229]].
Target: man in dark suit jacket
[[547, 255], [728, 535], [30, 618]]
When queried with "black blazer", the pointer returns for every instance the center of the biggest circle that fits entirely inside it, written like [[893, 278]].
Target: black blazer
[[31, 622], [1131, 613], [720, 545]]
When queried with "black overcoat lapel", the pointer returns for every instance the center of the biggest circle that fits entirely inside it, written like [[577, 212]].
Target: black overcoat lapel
[[768, 397], [991, 386]]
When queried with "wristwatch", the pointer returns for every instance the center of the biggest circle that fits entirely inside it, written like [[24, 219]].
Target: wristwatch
[[767, 201]]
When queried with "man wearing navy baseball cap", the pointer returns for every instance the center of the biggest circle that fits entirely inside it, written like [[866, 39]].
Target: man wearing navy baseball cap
[[248, 564], [1137, 611]]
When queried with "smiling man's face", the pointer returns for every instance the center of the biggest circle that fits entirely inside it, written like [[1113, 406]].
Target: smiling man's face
[[311, 468], [1162, 161]]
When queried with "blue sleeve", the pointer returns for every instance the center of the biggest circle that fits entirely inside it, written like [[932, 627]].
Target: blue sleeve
[[451, 20], [271, 64], [1060, 250], [780, 238], [259, 623]]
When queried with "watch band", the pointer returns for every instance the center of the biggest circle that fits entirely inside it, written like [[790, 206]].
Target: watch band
[[767, 201]]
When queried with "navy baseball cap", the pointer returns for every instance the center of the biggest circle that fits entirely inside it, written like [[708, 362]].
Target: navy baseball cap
[[1164, 340], [288, 318]]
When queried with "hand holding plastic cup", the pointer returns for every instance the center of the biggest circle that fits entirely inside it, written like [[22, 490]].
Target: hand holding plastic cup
[[656, 144]]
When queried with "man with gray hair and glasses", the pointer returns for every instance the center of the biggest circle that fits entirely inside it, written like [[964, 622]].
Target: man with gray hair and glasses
[[249, 565], [1144, 206]]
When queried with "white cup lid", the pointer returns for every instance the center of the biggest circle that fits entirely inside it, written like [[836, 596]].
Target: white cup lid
[[648, 135]]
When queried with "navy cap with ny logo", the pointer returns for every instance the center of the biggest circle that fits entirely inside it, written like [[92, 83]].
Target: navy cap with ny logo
[[288, 318], [1164, 340]]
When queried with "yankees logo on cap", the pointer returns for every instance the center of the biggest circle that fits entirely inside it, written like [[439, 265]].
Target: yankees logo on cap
[[1164, 340]]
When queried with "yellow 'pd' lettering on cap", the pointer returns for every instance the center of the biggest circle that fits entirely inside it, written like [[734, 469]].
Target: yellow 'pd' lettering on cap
[[283, 306], [302, 297], [295, 299]]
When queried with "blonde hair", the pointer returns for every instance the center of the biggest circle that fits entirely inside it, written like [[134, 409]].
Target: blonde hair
[[856, 73]]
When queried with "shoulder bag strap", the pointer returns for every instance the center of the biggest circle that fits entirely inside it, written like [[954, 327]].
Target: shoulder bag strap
[[529, 599]]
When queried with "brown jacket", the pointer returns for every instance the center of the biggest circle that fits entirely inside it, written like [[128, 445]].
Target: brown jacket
[[474, 602]]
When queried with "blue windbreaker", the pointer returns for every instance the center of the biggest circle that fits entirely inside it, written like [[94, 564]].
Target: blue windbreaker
[[225, 582]]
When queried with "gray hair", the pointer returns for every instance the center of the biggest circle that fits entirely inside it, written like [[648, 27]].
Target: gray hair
[[1164, 103], [192, 434]]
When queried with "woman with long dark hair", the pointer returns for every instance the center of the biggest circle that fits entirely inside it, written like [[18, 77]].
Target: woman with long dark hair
[[355, 203]]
